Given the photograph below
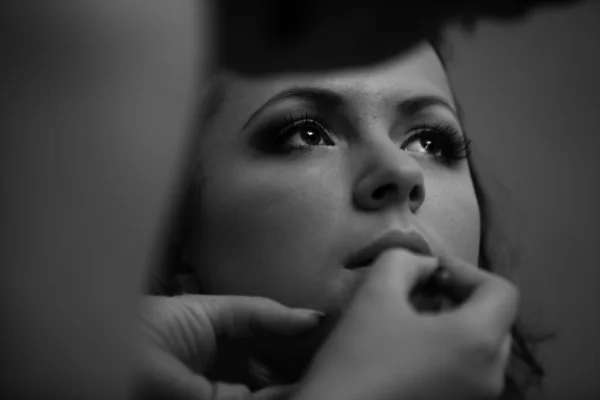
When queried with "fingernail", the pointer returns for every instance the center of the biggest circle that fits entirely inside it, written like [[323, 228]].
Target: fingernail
[[307, 313]]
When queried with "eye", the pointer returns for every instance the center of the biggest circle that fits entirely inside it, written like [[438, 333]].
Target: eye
[[424, 143], [303, 134], [444, 143]]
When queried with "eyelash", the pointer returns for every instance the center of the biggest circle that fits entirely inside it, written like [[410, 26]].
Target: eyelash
[[282, 131], [453, 145]]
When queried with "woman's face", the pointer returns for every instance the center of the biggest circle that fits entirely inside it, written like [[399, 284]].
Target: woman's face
[[299, 173]]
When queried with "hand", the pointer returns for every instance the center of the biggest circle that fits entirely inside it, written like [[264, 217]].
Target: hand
[[383, 348], [265, 36], [182, 339]]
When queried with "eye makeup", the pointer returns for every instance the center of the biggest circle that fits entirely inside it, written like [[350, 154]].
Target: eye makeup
[[290, 132], [440, 140], [301, 124]]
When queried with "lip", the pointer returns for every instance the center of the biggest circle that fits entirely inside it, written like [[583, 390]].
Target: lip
[[410, 240]]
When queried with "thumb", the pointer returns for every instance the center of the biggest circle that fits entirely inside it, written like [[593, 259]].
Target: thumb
[[401, 270], [240, 317], [280, 392]]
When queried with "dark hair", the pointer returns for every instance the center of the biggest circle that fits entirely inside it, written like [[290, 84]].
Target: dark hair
[[496, 252], [524, 371]]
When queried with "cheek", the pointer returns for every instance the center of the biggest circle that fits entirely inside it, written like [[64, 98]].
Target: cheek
[[451, 215], [268, 231]]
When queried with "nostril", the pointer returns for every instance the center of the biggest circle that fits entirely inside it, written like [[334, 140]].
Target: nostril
[[416, 194], [382, 191]]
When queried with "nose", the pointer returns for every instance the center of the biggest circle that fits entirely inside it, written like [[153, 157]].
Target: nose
[[392, 178]]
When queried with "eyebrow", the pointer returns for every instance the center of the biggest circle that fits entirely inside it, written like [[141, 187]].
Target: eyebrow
[[325, 97], [331, 99], [414, 105]]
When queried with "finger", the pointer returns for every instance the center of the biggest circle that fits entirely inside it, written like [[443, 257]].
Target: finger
[[505, 351], [402, 269], [464, 276], [162, 376], [499, 375], [280, 392], [242, 317], [229, 391], [492, 300]]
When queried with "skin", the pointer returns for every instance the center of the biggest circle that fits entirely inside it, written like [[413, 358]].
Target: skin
[[282, 226]]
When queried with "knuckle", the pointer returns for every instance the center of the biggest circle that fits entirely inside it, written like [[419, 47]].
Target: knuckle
[[512, 297], [256, 305], [260, 303], [253, 304], [509, 288], [513, 293]]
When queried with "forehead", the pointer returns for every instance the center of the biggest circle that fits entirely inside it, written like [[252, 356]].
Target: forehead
[[419, 72]]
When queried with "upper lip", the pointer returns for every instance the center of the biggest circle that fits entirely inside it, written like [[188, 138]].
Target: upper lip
[[411, 240]]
